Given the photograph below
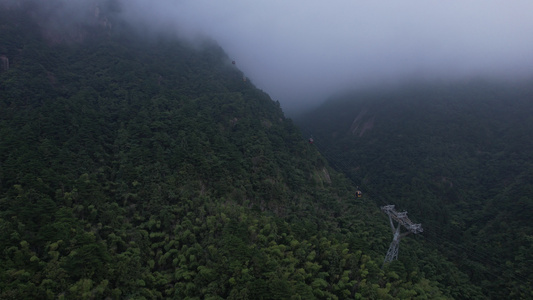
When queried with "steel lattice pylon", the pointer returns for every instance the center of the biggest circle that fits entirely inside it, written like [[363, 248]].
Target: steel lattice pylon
[[403, 220]]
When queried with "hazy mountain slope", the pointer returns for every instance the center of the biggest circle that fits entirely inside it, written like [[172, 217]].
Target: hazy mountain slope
[[457, 156], [147, 168]]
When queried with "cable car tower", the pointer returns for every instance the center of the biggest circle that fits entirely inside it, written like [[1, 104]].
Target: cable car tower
[[403, 220]]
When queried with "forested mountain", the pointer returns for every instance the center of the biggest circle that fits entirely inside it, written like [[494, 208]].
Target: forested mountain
[[136, 167], [457, 156]]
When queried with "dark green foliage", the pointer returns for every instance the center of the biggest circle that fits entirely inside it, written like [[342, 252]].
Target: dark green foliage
[[458, 158], [134, 168]]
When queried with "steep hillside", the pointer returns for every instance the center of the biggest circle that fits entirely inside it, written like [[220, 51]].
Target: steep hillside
[[457, 156], [146, 168]]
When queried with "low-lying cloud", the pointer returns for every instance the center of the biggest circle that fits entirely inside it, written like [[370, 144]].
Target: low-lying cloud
[[302, 51]]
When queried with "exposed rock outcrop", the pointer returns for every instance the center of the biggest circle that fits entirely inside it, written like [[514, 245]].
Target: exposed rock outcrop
[[361, 124], [65, 22], [4, 63]]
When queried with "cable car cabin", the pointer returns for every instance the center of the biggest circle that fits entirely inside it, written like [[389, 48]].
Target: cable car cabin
[[311, 140], [358, 194]]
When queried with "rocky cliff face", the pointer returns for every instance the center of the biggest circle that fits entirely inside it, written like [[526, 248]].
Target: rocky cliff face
[[362, 123], [4, 63], [64, 21]]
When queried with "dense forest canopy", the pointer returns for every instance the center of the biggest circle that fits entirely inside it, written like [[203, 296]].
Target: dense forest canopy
[[456, 155], [147, 168]]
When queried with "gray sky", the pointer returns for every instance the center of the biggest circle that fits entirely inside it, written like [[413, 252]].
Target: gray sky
[[302, 51]]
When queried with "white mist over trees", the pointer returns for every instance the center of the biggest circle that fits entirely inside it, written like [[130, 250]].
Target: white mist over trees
[[301, 52]]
